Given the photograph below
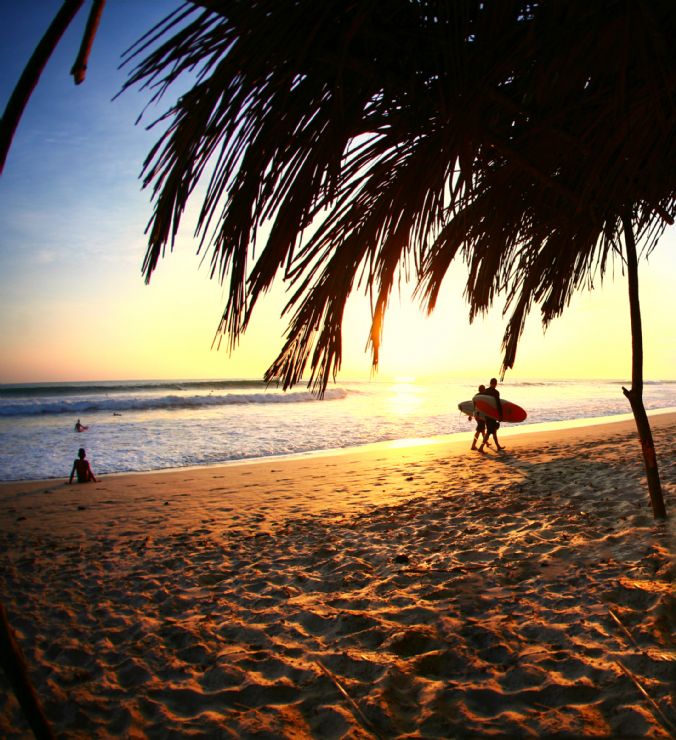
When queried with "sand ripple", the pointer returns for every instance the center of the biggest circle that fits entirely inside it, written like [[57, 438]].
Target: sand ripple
[[512, 596]]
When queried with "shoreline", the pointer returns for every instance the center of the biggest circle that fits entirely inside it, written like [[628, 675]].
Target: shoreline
[[452, 439], [415, 590], [248, 483]]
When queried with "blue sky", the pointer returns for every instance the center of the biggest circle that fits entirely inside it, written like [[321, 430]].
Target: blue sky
[[73, 302]]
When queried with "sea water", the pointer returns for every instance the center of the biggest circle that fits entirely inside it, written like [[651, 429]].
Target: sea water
[[153, 425]]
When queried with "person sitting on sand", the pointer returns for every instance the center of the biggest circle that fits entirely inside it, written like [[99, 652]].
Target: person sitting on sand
[[82, 468], [80, 427]]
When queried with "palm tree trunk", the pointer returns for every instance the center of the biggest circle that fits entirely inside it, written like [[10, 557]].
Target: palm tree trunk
[[635, 393], [16, 670]]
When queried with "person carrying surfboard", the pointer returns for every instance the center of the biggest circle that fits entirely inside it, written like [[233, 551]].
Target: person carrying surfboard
[[493, 391], [480, 423], [492, 425]]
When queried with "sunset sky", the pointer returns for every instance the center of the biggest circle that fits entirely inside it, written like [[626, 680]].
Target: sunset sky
[[73, 303]]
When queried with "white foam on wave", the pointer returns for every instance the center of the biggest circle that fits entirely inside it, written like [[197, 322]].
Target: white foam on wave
[[95, 404], [157, 429]]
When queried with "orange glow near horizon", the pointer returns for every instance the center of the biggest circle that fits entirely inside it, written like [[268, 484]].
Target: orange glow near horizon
[[123, 329]]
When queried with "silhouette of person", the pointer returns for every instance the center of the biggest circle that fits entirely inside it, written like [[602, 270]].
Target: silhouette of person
[[493, 391], [83, 469], [492, 425], [480, 423], [80, 427]]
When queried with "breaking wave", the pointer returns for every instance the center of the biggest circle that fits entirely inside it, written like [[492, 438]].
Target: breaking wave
[[94, 402]]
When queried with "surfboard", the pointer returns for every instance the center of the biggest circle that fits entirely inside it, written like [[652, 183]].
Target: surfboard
[[510, 411], [467, 407]]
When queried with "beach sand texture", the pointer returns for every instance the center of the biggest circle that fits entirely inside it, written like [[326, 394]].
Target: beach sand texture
[[423, 591]]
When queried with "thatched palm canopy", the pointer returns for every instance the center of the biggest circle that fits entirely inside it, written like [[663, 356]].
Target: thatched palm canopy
[[380, 134]]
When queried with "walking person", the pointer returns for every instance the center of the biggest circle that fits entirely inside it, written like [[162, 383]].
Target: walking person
[[492, 390], [480, 423], [492, 425]]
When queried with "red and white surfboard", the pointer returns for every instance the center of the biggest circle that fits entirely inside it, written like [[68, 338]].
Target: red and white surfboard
[[488, 405]]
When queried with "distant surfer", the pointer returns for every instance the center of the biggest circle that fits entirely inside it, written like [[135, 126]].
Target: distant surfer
[[80, 427], [83, 469], [492, 425]]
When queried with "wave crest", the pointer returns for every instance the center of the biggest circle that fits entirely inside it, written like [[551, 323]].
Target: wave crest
[[81, 406]]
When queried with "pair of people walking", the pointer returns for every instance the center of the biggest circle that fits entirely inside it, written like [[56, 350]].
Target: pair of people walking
[[486, 426]]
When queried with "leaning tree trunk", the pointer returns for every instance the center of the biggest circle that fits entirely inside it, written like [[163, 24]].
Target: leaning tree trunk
[[635, 393]]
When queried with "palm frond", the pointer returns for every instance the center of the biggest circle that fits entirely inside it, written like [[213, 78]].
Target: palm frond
[[383, 134]]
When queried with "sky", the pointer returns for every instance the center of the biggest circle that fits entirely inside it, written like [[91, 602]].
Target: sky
[[74, 305]]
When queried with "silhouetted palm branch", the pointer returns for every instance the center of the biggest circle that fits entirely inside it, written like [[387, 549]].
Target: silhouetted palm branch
[[400, 133]]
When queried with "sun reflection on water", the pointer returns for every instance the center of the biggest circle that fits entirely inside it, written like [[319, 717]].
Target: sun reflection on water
[[406, 397]]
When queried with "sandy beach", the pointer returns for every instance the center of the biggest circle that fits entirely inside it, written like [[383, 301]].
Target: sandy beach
[[397, 591]]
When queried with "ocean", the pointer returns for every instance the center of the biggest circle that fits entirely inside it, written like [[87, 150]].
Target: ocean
[[154, 425]]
